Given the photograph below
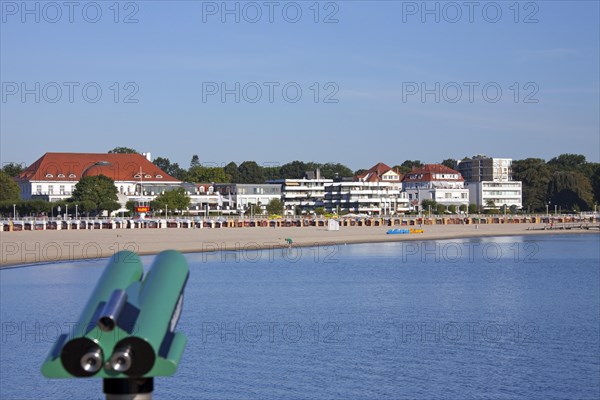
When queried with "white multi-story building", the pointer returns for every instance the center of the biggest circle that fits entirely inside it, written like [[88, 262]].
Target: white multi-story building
[[489, 194], [490, 183], [306, 194], [241, 197], [377, 191], [435, 182], [374, 198]]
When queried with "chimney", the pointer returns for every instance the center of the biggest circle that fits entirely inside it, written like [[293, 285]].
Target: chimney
[[318, 173], [148, 156]]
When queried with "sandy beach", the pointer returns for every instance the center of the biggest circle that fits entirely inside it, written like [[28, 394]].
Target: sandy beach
[[48, 246]]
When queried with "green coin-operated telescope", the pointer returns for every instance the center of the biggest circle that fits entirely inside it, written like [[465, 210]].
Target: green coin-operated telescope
[[127, 332]]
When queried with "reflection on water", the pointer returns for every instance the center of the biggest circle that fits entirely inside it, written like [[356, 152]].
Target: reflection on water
[[493, 317]]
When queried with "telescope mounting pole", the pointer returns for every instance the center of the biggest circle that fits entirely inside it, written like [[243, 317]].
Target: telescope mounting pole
[[128, 389]]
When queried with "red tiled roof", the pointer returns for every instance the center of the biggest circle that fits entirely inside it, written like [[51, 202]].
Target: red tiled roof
[[71, 166], [375, 172], [427, 171]]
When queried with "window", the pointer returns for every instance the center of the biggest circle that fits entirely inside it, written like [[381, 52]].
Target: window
[[50, 189], [38, 189], [201, 189], [49, 176], [61, 189], [61, 175], [137, 176], [159, 176], [72, 175], [148, 176]]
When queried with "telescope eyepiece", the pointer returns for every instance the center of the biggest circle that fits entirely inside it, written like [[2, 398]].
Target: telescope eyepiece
[[82, 357], [121, 359], [91, 362]]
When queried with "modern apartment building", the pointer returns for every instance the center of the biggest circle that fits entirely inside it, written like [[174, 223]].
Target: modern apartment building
[[374, 198], [302, 194], [490, 184], [241, 197]]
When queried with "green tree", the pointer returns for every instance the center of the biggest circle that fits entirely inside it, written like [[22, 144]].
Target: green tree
[[200, 174], [595, 182], [490, 204], [568, 162], [195, 162], [123, 150], [463, 208], [272, 173], [473, 209], [440, 209], [130, 205], [172, 169], [12, 169], [293, 170], [360, 171], [570, 190], [535, 175], [275, 207], [320, 211], [334, 170], [428, 204], [450, 163], [408, 165], [173, 199], [231, 170], [96, 193], [452, 209], [250, 172], [9, 190]]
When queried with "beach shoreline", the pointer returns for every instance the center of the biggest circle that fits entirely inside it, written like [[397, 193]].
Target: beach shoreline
[[34, 247]]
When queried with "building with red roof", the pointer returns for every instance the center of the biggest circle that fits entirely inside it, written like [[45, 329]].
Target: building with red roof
[[381, 172], [54, 175], [435, 182]]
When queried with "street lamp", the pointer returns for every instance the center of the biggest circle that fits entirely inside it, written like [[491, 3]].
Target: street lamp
[[76, 205], [14, 211]]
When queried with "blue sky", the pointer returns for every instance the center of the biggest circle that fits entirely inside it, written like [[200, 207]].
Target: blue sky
[[361, 76]]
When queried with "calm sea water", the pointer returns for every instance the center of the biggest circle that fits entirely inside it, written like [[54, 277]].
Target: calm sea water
[[507, 318]]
